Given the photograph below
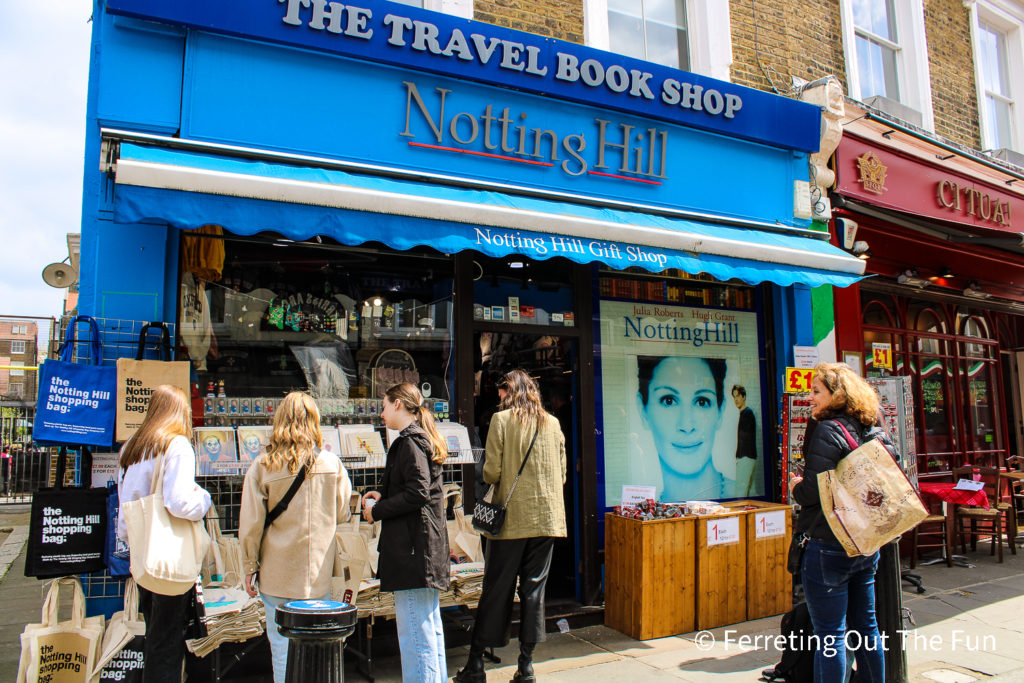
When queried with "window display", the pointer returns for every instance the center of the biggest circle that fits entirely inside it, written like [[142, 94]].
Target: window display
[[261, 317]]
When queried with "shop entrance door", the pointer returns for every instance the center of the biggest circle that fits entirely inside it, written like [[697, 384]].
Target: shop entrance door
[[553, 362]]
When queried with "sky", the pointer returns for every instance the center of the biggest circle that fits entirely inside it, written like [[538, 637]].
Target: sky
[[44, 70]]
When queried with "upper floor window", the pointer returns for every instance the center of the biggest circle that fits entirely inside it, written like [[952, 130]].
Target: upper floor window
[[17, 364], [999, 70], [19, 329], [458, 8], [877, 47], [693, 35], [18, 346], [995, 83], [653, 30], [887, 56]]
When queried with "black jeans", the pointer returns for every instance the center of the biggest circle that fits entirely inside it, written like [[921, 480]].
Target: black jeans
[[166, 618], [526, 559]]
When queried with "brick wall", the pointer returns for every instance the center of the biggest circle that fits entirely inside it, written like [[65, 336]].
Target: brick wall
[[951, 62], [801, 38], [562, 19]]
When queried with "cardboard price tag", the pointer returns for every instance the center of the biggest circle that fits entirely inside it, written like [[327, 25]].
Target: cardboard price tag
[[881, 355], [770, 523], [798, 380], [723, 530]]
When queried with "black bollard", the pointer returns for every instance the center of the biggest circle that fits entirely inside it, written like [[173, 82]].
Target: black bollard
[[316, 631], [889, 611]]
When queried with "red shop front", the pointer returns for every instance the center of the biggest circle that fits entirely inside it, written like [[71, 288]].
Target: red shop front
[[943, 235]]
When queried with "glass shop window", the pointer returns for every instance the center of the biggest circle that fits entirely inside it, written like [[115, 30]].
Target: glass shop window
[[522, 291], [260, 317]]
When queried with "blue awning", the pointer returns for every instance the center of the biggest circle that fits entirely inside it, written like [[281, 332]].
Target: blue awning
[[188, 189]]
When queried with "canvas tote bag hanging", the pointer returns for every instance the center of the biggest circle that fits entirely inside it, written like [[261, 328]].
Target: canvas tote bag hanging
[[124, 643], [75, 403], [136, 380], [63, 651], [867, 499], [67, 528], [166, 552]]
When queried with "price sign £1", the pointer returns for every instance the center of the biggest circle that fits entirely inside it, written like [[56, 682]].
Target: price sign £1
[[723, 530], [798, 380], [770, 523], [881, 355]]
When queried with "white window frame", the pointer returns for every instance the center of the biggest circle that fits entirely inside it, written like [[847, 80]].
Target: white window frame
[[19, 329], [912, 70], [1007, 17], [18, 346], [457, 8], [708, 31], [17, 364]]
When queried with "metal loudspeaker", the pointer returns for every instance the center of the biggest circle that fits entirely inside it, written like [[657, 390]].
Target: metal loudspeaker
[[60, 275]]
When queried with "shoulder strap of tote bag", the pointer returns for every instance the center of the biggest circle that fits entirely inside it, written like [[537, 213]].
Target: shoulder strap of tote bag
[[164, 344], [850, 441], [67, 348], [525, 458], [282, 504]]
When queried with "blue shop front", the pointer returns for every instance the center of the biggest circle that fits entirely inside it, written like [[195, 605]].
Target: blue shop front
[[335, 198]]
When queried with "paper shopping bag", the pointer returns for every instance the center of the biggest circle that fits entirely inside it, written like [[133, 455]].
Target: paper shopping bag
[[138, 378], [60, 652], [463, 539]]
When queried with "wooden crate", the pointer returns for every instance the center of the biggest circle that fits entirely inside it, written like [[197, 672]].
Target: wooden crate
[[721, 570], [769, 583], [649, 576]]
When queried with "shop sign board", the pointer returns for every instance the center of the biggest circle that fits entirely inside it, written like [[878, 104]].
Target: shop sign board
[[879, 176], [769, 523], [435, 42], [668, 414], [723, 530]]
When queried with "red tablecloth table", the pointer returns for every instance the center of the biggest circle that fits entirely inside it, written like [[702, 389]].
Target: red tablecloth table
[[951, 497]]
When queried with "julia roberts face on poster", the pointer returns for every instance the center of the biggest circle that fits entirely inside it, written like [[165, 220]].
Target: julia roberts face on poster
[[682, 409]]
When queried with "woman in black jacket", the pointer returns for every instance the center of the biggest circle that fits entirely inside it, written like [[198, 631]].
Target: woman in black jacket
[[840, 590], [413, 541]]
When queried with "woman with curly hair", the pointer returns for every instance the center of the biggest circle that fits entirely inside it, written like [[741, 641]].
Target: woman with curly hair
[[291, 550], [534, 517], [840, 590]]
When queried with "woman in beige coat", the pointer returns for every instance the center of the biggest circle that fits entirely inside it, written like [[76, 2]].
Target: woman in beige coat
[[535, 516], [292, 551]]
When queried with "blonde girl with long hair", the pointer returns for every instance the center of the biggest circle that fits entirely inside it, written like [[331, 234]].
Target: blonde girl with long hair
[[289, 555], [163, 440], [413, 540], [525, 462]]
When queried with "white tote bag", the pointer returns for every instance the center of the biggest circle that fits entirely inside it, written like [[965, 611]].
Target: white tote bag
[[166, 551]]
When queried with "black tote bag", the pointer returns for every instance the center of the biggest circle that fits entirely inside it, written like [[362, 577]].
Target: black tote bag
[[67, 529]]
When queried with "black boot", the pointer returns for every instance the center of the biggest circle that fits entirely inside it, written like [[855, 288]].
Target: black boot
[[473, 672], [525, 672]]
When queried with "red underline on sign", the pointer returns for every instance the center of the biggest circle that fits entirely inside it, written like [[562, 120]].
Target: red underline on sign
[[624, 177], [482, 154]]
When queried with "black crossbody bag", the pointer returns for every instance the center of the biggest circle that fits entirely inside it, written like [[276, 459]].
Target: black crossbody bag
[[489, 517]]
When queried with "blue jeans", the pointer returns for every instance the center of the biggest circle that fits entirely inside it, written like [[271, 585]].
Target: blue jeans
[[420, 635], [840, 593], [278, 643]]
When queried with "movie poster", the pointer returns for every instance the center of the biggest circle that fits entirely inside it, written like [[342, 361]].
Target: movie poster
[[681, 401]]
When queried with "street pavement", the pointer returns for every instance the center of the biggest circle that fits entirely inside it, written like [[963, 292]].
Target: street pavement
[[968, 626]]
